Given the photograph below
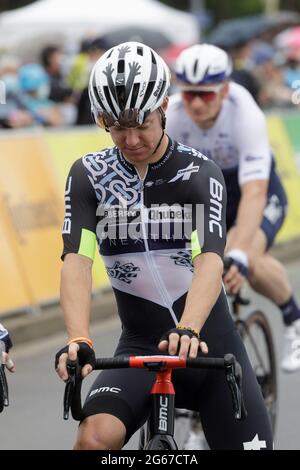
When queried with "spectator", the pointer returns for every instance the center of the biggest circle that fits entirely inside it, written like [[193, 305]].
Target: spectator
[[94, 50], [51, 59], [242, 73], [274, 92], [35, 85], [13, 112]]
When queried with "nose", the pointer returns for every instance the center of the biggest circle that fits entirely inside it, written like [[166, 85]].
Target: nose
[[198, 102], [132, 138]]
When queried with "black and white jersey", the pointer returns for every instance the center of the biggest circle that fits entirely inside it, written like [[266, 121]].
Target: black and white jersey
[[148, 231]]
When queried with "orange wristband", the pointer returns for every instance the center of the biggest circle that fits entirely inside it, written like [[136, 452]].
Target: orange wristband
[[82, 339]]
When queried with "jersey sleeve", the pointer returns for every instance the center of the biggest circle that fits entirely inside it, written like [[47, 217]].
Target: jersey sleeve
[[79, 228], [209, 199], [251, 134]]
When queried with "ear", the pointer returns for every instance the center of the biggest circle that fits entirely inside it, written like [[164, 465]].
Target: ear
[[165, 104], [225, 90]]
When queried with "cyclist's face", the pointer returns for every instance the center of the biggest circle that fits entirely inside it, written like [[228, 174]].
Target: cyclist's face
[[138, 144], [204, 104]]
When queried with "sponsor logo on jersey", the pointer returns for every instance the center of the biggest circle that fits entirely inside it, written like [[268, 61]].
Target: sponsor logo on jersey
[[183, 258], [185, 173], [216, 206], [252, 158], [123, 272], [68, 209]]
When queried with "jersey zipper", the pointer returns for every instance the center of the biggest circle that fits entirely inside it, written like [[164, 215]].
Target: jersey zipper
[[150, 258]]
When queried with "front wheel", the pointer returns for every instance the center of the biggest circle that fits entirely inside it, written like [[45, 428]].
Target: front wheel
[[257, 338]]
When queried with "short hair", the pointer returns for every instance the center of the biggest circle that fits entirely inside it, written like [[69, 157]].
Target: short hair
[[46, 54]]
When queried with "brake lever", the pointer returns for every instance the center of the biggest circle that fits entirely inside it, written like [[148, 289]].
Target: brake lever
[[73, 371], [233, 373]]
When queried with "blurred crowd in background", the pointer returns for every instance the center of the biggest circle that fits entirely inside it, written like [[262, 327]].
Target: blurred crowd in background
[[52, 91]]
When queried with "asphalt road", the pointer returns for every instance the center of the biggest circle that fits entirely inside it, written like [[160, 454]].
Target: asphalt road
[[34, 419]]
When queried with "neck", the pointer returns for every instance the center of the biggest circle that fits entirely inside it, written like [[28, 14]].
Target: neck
[[142, 167]]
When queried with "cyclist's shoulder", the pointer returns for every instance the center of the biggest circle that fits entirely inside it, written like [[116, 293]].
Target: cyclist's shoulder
[[92, 159], [195, 159]]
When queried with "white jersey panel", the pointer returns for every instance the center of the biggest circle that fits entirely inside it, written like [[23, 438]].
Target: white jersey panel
[[147, 275], [238, 140]]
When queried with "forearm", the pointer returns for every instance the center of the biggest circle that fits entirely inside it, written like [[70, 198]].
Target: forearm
[[76, 287], [249, 217], [204, 291]]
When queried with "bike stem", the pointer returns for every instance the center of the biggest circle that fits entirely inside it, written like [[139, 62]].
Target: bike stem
[[162, 404]]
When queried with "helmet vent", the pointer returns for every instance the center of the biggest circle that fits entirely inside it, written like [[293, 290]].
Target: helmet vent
[[135, 94], [140, 51]]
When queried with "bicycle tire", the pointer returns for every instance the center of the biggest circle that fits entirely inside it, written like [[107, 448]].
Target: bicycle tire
[[267, 380]]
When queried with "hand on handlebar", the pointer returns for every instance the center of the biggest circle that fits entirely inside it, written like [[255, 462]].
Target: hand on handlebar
[[80, 350], [183, 342], [235, 271]]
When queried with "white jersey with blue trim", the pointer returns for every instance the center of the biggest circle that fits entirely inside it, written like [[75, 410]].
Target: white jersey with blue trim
[[238, 140]]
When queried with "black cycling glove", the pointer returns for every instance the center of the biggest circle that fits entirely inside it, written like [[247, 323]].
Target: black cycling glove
[[85, 354], [181, 331]]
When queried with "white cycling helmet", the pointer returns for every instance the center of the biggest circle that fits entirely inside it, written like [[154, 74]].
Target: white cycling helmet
[[202, 65], [127, 83]]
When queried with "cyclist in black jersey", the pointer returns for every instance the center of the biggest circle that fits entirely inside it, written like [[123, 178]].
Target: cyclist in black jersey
[[159, 222]]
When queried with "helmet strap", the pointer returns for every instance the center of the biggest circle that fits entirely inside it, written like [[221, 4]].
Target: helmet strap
[[163, 123]]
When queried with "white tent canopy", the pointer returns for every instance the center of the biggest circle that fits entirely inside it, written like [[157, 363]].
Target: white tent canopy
[[70, 20]]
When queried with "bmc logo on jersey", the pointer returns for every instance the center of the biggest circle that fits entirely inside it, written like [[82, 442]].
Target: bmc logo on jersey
[[68, 213], [215, 206], [185, 173]]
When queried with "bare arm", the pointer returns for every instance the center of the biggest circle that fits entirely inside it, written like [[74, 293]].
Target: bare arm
[[75, 294], [250, 213], [201, 297], [75, 298], [204, 291]]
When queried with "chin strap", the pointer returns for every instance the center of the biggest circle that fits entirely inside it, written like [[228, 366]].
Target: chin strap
[[163, 123]]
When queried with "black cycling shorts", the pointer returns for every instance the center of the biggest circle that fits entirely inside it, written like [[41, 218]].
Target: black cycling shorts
[[274, 213]]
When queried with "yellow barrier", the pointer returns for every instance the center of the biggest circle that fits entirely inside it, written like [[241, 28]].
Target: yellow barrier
[[287, 169]]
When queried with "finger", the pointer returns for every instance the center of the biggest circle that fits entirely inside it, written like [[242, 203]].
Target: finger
[[203, 347], [73, 349], [86, 370], [173, 343], [185, 342], [194, 347], [8, 363], [231, 273], [236, 284], [61, 368], [163, 345]]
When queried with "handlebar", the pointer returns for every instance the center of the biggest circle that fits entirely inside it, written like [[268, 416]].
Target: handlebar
[[232, 369], [4, 398]]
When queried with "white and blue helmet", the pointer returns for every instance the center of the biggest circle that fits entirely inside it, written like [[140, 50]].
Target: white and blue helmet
[[203, 64]]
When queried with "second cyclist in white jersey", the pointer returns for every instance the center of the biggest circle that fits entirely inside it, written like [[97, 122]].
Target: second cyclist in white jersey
[[221, 119]]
